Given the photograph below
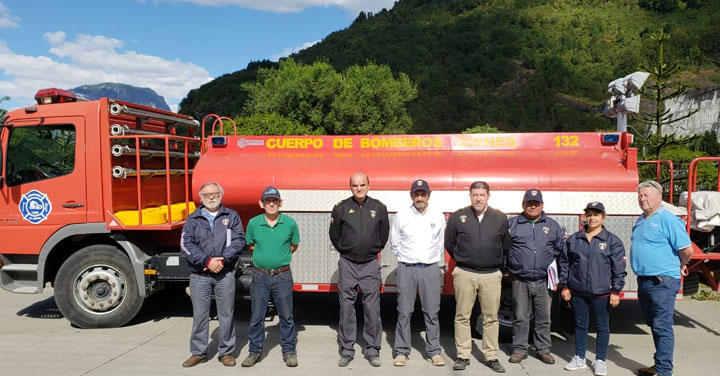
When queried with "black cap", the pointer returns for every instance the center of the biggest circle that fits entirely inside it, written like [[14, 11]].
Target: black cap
[[533, 195], [595, 205], [270, 192], [419, 185]]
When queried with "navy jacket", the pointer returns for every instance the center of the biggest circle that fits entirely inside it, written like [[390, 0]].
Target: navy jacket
[[597, 267], [198, 243], [534, 246], [478, 246]]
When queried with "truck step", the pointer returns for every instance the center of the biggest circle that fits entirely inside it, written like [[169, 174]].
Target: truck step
[[26, 290], [20, 268]]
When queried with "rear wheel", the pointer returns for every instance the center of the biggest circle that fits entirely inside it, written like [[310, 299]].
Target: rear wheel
[[691, 283], [96, 288]]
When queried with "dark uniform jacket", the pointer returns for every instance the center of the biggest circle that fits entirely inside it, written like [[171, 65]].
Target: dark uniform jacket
[[358, 232], [594, 268], [199, 243], [534, 246], [478, 246]]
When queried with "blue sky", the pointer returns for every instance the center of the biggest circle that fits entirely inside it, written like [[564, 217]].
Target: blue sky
[[171, 46]]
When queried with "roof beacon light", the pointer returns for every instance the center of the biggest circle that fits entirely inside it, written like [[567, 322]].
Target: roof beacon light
[[53, 95], [218, 141], [610, 138]]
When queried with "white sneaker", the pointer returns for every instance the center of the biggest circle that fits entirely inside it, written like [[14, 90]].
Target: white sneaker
[[575, 363], [599, 368]]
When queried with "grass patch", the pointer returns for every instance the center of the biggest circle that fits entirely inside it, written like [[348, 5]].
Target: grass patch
[[706, 293]]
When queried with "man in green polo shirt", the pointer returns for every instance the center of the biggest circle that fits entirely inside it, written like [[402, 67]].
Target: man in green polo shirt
[[272, 238]]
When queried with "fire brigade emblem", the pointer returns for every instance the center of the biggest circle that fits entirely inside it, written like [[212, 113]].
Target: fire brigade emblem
[[35, 207], [225, 222], [602, 246], [373, 213], [463, 218], [546, 230], [351, 211], [533, 192]]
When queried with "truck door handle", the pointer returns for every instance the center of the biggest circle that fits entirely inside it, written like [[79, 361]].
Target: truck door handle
[[73, 205]]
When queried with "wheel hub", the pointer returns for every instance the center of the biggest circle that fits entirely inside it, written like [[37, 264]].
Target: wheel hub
[[100, 288]]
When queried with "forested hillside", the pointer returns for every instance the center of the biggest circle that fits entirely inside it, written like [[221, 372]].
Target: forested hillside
[[518, 65]]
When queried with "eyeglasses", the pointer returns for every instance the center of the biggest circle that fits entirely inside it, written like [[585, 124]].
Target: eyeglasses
[[211, 195]]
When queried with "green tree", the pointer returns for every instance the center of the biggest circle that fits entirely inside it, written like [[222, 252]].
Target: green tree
[[2, 110], [661, 89], [482, 128], [361, 100], [271, 124]]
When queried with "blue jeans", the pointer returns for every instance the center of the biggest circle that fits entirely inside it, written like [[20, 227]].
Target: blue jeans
[[281, 287], [581, 306], [657, 300], [202, 288]]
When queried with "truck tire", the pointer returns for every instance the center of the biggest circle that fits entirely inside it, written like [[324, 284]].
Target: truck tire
[[691, 284], [96, 288]]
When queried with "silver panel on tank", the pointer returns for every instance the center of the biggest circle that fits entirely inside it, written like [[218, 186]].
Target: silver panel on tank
[[311, 261], [622, 228]]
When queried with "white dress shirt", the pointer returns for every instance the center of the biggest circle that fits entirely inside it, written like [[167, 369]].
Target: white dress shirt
[[418, 237]]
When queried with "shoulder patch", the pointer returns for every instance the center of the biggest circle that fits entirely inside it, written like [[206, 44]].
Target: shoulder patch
[[380, 202], [339, 203]]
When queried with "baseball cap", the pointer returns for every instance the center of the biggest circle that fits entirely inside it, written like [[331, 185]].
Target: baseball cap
[[595, 205], [419, 185], [533, 195], [270, 192]]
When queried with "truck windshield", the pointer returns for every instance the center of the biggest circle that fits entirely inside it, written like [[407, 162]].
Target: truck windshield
[[40, 152]]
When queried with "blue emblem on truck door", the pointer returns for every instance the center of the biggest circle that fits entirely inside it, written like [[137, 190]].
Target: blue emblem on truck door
[[35, 207]]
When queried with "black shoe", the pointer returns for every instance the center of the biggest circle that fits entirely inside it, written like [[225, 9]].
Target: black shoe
[[495, 366], [374, 360], [344, 360], [460, 364]]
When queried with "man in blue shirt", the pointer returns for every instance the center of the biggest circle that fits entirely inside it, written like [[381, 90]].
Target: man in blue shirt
[[659, 253]]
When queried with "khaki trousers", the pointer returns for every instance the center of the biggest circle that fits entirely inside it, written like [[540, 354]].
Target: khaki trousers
[[486, 287]]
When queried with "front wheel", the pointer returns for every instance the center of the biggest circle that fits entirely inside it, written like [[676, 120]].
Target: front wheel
[[96, 288]]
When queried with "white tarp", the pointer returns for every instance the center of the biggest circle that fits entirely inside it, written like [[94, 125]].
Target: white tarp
[[705, 208]]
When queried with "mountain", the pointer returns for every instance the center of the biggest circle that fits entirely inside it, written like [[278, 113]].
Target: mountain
[[518, 65], [140, 95]]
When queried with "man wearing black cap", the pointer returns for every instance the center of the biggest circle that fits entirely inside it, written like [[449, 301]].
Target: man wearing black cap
[[359, 229], [417, 241], [272, 238], [536, 241]]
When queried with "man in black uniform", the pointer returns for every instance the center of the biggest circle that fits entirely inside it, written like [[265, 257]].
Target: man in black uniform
[[359, 229], [477, 239]]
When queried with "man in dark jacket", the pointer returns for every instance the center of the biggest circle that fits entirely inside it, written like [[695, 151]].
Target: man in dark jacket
[[477, 239], [359, 229], [211, 241], [536, 241]]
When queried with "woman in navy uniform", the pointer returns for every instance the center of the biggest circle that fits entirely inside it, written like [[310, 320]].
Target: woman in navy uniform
[[592, 274]]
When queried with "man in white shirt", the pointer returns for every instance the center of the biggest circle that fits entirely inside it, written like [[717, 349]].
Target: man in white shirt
[[417, 241]]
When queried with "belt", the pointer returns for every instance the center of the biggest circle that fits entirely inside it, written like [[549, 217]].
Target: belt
[[279, 270], [416, 265], [532, 281]]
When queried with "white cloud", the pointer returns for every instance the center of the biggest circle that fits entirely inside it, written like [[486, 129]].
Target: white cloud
[[291, 50], [6, 18], [291, 6], [91, 59]]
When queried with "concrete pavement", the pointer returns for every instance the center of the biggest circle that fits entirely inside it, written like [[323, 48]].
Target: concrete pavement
[[36, 340]]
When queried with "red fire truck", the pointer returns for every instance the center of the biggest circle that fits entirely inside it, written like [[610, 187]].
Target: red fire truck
[[95, 193]]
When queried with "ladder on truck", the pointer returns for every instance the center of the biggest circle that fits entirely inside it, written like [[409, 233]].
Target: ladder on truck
[[152, 155]]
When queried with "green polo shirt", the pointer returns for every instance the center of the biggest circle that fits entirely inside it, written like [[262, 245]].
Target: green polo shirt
[[272, 244]]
